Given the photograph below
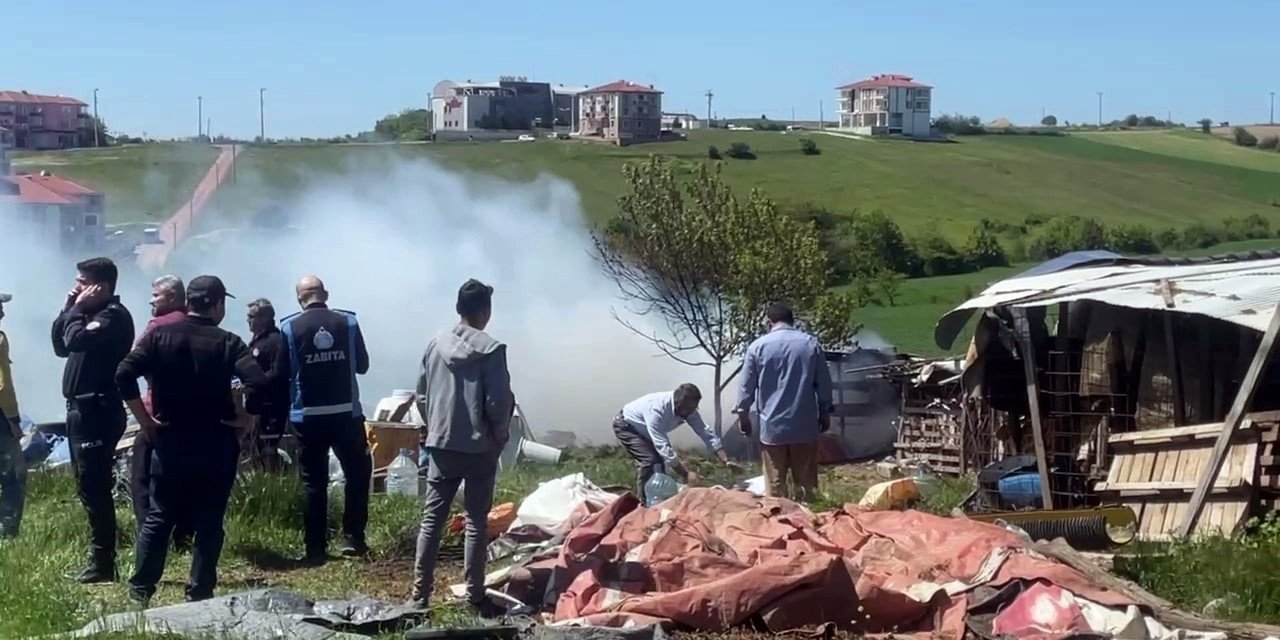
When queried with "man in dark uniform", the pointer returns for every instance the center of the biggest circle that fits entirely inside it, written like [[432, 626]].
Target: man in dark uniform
[[94, 332], [193, 467], [271, 407], [324, 351]]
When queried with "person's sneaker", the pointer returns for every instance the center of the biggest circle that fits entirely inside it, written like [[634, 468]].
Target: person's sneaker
[[354, 548], [139, 597], [98, 573]]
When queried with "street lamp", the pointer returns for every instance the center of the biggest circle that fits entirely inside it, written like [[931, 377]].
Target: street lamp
[[95, 119], [262, 120]]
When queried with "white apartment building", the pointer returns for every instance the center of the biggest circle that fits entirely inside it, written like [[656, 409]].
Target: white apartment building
[[886, 104]]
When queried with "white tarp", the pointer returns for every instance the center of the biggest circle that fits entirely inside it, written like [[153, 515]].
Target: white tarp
[[1243, 293]]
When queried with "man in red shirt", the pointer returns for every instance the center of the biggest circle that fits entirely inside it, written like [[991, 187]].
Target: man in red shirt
[[168, 306]]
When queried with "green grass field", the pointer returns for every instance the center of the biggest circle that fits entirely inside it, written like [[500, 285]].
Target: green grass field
[[143, 183], [924, 186], [1190, 145]]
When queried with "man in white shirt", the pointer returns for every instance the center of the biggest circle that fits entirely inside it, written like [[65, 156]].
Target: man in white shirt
[[644, 429]]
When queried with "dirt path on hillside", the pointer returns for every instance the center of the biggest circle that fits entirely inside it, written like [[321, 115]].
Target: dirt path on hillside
[[179, 225]]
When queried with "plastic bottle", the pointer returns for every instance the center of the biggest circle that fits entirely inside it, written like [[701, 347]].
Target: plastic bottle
[[659, 487], [402, 475], [336, 478]]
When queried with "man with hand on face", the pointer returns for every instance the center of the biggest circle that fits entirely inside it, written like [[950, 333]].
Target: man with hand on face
[[644, 429], [13, 465], [94, 332], [324, 352], [168, 306], [196, 447]]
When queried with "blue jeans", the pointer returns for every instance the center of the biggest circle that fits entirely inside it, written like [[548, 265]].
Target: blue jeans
[[13, 483]]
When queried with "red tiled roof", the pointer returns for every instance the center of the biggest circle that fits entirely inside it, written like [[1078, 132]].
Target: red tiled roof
[[886, 80], [623, 86], [35, 98], [39, 189]]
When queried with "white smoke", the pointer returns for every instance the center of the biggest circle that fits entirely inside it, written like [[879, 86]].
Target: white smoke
[[393, 239]]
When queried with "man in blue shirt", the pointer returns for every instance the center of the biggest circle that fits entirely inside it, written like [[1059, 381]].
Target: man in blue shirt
[[784, 374], [644, 429]]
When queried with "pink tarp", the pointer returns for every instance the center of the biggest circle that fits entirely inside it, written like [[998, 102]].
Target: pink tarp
[[711, 559]]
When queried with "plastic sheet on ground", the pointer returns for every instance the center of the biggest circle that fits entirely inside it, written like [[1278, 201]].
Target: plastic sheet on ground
[[557, 506], [265, 613], [712, 559]]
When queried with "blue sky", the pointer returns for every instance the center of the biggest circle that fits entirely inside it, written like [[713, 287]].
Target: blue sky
[[335, 67]]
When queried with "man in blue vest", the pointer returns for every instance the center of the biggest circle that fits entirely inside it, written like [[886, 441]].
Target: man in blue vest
[[324, 351]]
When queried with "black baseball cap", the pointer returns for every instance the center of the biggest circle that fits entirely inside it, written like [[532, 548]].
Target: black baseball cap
[[473, 295], [208, 289]]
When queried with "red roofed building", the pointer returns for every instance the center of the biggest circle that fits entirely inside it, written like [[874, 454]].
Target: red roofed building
[[886, 104], [622, 112], [55, 209], [44, 122]]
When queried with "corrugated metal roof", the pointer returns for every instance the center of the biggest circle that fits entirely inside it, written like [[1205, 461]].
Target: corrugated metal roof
[[1240, 292]]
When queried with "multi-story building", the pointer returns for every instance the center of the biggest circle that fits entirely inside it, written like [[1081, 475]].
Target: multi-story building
[[53, 209], [622, 112], [44, 122], [886, 104], [511, 103], [6, 143], [566, 100]]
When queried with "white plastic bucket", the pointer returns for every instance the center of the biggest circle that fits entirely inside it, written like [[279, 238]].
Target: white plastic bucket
[[539, 452]]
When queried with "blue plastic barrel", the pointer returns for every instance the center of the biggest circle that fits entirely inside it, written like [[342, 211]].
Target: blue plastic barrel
[[1021, 490]]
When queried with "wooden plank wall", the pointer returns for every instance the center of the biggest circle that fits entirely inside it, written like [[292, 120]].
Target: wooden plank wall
[[1155, 472]]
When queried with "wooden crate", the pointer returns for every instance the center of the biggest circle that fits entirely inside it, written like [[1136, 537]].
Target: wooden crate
[[1155, 472]]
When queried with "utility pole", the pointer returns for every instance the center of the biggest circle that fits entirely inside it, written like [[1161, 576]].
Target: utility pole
[[208, 128], [709, 97], [793, 115], [97, 127], [262, 119], [199, 116], [1273, 107], [1099, 109], [822, 117]]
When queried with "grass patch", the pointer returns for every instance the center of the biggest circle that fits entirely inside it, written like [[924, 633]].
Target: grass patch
[[142, 183], [1190, 145]]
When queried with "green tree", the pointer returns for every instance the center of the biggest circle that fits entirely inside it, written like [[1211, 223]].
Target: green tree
[[1244, 138], [1132, 239], [888, 282], [1067, 234], [878, 241], [808, 147], [1206, 125], [409, 124], [1049, 121], [86, 135], [984, 249], [707, 265]]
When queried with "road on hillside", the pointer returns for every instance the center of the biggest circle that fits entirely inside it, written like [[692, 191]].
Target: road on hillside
[[153, 256]]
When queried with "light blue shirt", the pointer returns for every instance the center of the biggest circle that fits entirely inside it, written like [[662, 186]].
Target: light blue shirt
[[785, 375], [654, 417]]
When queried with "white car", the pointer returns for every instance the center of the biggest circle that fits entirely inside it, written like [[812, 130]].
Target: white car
[[526, 138]]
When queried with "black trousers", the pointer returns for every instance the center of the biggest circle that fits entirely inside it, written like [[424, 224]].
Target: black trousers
[[344, 435], [94, 427], [642, 452], [193, 469], [269, 429], [140, 487]]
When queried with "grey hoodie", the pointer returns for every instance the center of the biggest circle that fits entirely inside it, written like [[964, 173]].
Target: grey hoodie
[[464, 392]]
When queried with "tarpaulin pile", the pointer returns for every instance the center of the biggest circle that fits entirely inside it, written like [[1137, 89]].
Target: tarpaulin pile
[[713, 559]]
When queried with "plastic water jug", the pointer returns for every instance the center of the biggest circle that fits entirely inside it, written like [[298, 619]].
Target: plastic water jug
[[659, 487], [402, 475]]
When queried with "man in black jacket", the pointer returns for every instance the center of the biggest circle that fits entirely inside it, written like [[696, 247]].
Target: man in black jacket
[[270, 408], [324, 351], [94, 332], [191, 364]]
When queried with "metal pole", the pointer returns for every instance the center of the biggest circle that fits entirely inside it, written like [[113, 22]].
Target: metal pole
[[199, 116], [1273, 107], [262, 119], [1099, 108], [95, 119]]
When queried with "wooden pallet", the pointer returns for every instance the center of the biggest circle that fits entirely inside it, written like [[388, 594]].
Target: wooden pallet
[[1154, 472]]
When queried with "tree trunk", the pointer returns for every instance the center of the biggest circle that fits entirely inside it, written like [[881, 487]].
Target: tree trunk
[[718, 391]]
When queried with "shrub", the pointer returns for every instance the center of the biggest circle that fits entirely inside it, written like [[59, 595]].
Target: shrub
[[809, 147], [740, 151], [1269, 142], [1067, 234], [1250, 227], [875, 241], [1169, 239], [959, 125], [984, 248], [938, 257], [1199, 236], [1244, 138], [1134, 238], [713, 152]]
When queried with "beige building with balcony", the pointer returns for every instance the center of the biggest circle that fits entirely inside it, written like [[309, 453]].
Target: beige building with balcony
[[621, 112], [886, 104]]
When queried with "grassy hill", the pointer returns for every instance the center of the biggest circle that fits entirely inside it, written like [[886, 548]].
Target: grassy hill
[[924, 186], [1190, 145], [143, 183]]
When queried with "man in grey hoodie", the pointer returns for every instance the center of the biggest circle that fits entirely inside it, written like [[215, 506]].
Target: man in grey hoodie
[[465, 397]]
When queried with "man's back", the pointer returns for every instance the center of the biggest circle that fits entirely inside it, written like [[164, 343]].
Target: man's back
[[465, 392], [788, 369], [325, 352], [192, 363]]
